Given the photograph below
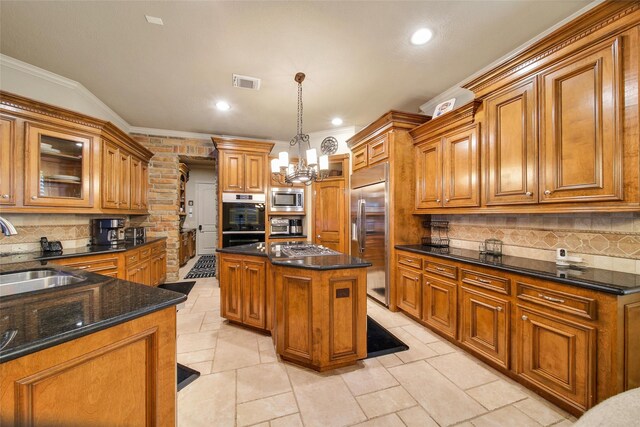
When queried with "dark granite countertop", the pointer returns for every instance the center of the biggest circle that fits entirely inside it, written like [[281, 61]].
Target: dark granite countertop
[[52, 316], [322, 262], [76, 252], [608, 281]]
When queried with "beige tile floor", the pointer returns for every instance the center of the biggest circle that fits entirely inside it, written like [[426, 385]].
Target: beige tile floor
[[243, 382]]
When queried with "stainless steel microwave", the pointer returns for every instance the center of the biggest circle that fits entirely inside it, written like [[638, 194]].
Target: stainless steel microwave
[[287, 199]]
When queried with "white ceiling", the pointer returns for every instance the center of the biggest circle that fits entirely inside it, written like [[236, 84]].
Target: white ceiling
[[356, 55]]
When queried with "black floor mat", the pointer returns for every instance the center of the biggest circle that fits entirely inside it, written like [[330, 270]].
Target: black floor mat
[[186, 376], [182, 287], [380, 341], [204, 267]]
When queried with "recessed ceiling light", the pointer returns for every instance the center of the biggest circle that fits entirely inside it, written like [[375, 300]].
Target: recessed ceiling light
[[222, 106], [153, 20], [421, 36], [336, 121]]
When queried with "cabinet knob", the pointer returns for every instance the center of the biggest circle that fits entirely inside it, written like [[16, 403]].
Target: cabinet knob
[[246, 267], [319, 236], [524, 317], [5, 196], [498, 308], [437, 200], [528, 194], [446, 200], [34, 197], [547, 192]]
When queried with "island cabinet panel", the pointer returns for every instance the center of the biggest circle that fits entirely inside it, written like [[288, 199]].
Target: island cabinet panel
[[485, 325], [243, 289], [253, 293], [231, 288], [440, 304], [557, 355], [50, 387], [321, 316], [581, 138], [8, 154], [295, 317], [512, 145]]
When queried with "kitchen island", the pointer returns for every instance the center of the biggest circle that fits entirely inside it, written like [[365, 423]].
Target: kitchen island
[[314, 306], [101, 351]]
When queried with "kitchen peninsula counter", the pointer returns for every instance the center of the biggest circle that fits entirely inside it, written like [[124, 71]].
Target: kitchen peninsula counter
[[314, 306], [67, 350]]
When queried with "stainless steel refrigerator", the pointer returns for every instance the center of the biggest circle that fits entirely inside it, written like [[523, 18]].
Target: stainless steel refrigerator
[[370, 226]]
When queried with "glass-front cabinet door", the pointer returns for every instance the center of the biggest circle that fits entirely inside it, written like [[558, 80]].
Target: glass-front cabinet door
[[58, 167]]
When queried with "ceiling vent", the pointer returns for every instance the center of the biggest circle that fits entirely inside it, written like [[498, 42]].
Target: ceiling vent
[[246, 82]]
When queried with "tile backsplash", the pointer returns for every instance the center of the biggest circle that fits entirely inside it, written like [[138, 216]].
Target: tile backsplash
[[604, 240]]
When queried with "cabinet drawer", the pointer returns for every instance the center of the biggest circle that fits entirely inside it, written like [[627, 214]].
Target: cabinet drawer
[[412, 261], [132, 257], [145, 253], [378, 149], [95, 266], [487, 281], [445, 270], [157, 248], [359, 158], [562, 301]]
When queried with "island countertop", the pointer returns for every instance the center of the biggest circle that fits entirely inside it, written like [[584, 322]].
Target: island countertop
[[277, 257], [612, 282], [49, 317]]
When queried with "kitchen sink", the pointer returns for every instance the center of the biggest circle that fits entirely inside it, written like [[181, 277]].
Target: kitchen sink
[[34, 280]]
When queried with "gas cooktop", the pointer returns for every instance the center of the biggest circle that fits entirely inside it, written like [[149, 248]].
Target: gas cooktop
[[307, 250]]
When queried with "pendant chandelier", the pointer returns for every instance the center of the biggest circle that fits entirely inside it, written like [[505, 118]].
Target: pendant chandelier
[[308, 168]]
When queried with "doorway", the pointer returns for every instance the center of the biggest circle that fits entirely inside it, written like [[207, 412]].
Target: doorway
[[202, 207]]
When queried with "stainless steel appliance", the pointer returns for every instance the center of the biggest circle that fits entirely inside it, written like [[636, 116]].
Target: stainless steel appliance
[[279, 226], [135, 234], [287, 199], [304, 250], [295, 226], [107, 231], [242, 219], [370, 227]]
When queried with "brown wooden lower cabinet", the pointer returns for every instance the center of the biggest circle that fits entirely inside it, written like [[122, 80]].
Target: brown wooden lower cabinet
[[50, 387], [187, 248], [574, 346], [243, 281], [146, 264]]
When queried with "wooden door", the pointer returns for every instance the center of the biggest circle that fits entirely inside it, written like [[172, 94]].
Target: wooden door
[[512, 145], [110, 176], [429, 175], [7, 161], [136, 182], [359, 158], [139, 273], [329, 215], [58, 167], [557, 355], [254, 173], [408, 288], [460, 168], [485, 325], [158, 269], [378, 149], [124, 180], [233, 173], [254, 279], [230, 278], [581, 123], [440, 304]]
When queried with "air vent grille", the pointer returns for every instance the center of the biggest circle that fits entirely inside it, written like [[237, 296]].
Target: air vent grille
[[246, 82]]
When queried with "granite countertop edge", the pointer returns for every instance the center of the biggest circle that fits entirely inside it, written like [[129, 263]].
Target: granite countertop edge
[[27, 349], [573, 281]]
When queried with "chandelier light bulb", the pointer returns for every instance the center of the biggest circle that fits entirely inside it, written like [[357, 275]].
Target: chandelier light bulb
[[283, 156], [275, 165], [312, 157], [324, 162]]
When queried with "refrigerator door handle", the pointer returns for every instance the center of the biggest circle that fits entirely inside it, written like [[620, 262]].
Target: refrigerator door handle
[[363, 224]]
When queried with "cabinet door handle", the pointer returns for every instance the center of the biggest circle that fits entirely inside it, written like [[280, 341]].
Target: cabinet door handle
[[437, 200], [446, 200], [441, 269], [246, 267], [5, 196], [552, 299], [524, 317], [483, 280], [498, 308], [528, 194], [547, 192], [132, 258], [34, 197]]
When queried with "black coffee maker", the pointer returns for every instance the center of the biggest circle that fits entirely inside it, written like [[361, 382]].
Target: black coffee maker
[[107, 231]]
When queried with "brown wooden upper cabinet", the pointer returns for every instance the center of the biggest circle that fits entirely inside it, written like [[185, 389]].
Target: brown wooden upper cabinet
[[7, 160], [512, 145], [124, 179], [243, 172], [581, 139], [372, 152], [447, 160], [58, 166]]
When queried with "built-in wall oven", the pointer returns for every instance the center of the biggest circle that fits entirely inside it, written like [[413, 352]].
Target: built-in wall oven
[[242, 219]]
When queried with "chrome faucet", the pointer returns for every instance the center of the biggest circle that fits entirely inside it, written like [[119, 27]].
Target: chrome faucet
[[7, 228]]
